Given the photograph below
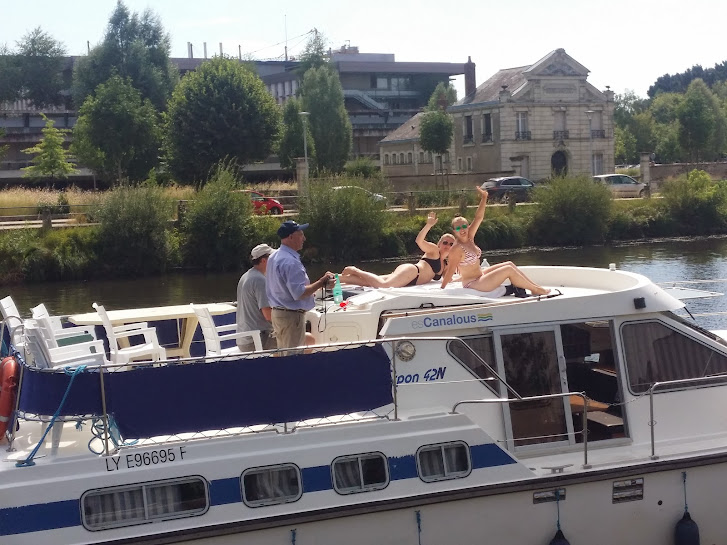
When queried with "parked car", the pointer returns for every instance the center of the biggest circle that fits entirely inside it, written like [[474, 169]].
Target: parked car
[[263, 204], [622, 185], [376, 197], [509, 187]]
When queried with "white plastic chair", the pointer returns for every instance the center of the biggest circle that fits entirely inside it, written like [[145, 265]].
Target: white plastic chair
[[88, 353], [213, 338], [14, 322], [150, 349], [55, 334]]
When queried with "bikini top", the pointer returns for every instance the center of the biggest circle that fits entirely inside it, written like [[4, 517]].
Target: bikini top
[[438, 275], [470, 257], [435, 263]]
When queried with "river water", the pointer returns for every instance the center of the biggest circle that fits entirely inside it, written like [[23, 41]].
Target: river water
[[703, 261]]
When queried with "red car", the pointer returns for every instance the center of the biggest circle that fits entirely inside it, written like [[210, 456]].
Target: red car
[[263, 204]]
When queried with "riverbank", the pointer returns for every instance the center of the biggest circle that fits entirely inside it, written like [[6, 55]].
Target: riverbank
[[134, 237]]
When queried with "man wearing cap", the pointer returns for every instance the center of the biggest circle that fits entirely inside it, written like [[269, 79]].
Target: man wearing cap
[[253, 308], [289, 289]]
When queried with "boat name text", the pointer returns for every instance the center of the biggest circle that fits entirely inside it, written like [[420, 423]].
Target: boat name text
[[149, 458], [451, 320], [431, 374]]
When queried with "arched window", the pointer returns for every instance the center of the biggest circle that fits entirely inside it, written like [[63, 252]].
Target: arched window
[[409, 158], [386, 158]]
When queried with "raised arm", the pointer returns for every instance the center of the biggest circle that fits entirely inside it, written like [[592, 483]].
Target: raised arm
[[455, 256], [421, 240], [479, 215]]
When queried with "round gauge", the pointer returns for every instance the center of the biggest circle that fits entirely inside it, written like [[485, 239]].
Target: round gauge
[[405, 350]]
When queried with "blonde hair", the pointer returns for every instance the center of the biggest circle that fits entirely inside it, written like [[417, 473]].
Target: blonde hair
[[458, 218]]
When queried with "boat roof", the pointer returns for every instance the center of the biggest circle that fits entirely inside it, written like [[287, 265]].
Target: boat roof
[[577, 293]]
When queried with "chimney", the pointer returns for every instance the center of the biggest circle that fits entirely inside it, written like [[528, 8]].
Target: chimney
[[470, 84], [221, 54], [189, 50], [239, 52], [204, 47], [505, 94]]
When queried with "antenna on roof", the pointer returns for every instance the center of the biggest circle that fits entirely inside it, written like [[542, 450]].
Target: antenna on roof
[[286, 37]]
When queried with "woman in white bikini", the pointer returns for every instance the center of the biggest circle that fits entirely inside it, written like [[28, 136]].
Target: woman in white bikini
[[465, 256], [429, 267]]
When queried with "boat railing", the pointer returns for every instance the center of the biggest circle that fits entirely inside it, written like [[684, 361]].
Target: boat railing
[[584, 416], [111, 443], [670, 384]]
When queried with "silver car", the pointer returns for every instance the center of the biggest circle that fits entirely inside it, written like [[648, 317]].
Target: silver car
[[622, 185]]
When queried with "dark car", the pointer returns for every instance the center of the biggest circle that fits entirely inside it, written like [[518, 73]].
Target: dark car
[[263, 204], [509, 187]]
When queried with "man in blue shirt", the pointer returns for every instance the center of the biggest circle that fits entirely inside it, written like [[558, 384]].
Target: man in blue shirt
[[288, 287]]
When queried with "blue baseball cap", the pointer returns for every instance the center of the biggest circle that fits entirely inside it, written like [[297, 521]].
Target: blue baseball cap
[[289, 227]]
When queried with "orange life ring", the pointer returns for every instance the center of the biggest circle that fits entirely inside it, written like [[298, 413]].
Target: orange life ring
[[9, 370]]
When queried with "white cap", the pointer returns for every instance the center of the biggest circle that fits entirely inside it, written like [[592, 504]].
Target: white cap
[[261, 250]]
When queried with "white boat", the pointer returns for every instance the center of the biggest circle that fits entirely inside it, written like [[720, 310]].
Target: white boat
[[424, 416]]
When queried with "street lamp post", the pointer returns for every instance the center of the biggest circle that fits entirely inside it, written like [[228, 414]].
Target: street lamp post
[[304, 117], [589, 114]]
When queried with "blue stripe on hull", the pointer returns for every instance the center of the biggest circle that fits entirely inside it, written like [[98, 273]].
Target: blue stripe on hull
[[64, 514]]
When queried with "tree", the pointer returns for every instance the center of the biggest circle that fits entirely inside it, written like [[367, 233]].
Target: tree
[[51, 158], [443, 93], [134, 47], [435, 132], [117, 133], [291, 144], [698, 121], [10, 69], [626, 106], [220, 111], [40, 59], [322, 97], [3, 148], [624, 145], [314, 54]]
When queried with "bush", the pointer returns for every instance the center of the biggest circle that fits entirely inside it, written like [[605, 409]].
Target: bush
[[133, 231], [217, 225], [571, 210], [501, 232], [696, 202], [363, 167], [345, 224]]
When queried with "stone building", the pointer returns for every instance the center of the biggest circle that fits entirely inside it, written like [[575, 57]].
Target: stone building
[[532, 121]]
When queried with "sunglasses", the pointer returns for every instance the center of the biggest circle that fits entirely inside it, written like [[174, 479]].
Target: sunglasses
[[460, 227], [447, 243]]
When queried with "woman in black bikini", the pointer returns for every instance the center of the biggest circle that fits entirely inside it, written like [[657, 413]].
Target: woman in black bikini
[[428, 268]]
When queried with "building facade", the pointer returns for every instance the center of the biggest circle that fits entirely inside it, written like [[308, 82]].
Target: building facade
[[535, 121]]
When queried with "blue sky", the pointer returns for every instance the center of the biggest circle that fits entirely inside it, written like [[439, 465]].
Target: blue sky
[[625, 44]]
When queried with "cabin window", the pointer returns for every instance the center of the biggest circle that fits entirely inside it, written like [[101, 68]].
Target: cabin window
[[443, 461], [362, 473], [483, 347], [271, 485], [142, 503], [657, 353]]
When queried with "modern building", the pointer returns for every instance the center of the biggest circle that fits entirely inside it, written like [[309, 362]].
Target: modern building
[[534, 121]]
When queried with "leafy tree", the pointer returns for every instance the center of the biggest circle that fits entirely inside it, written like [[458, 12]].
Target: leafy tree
[[51, 158], [40, 60], [668, 149], [624, 145], [445, 90], [322, 97], [664, 107], [314, 54], [221, 110], [292, 144], [642, 127], [435, 132], [117, 133], [134, 47], [626, 106], [10, 69], [698, 119]]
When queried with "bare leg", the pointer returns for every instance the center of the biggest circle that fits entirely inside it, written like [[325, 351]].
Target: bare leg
[[493, 278], [505, 264], [401, 276]]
